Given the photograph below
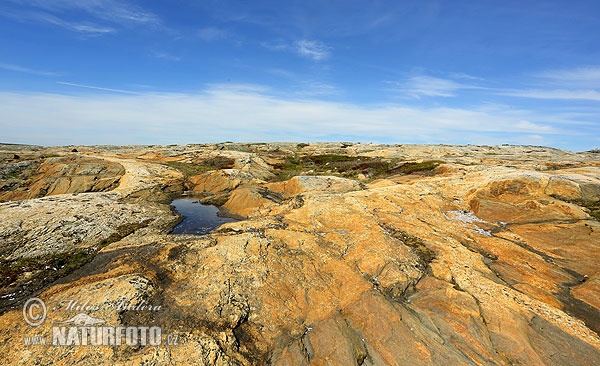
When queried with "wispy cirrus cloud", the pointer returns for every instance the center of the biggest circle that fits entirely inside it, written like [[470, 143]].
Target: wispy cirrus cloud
[[562, 94], [93, 17], [312, 49], [581, 83], [355, 18], [121, 12], [582, 77], [317, 88], [304, 85], [96, 88], [578, 83], [26, 70], [429, 86], [89, 29]]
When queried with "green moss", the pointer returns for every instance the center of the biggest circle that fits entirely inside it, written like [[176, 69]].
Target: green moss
[[348, 166], [374, 168], [331, 158], [190, 169], [592, 206], [558, 166], [414, 167], [418, 246], [330, 164], [48, 267]]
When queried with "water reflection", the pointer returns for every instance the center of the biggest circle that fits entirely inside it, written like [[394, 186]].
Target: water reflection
[[199, 219]]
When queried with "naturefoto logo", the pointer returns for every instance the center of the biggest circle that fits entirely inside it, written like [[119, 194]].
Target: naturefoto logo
[[83, 329]]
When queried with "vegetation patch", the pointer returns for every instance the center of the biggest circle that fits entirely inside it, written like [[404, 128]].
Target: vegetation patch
[[348, 166], [415, 167], [231, 146], [559, 166], [25, 276], [418, 246], [188, 169], [592, 206], [52, 266], [191, 169], [331, 164], [331, 158]]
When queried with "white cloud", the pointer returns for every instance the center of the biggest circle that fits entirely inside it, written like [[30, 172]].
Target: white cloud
[[304, 85], [121, 12], [564, 94], [578, 83], [429, 86], [234, 89], [18, 68], [84, 28], [317, 88], [246, 113], [312, 49], [88, 28], [579, 77], [581, 83], [90, 17]]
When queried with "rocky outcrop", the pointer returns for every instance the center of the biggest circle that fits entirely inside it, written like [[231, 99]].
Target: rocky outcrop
[[478, 263], [219, 181], [46, 238], [58, 175], [302, 184]]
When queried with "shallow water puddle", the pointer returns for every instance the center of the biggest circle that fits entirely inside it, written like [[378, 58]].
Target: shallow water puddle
[[199, 219]]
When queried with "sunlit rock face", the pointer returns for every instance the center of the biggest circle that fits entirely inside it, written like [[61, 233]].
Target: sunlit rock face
[[347, 254]]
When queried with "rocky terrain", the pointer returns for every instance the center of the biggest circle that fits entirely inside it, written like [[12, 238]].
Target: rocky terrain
[[346, 254]]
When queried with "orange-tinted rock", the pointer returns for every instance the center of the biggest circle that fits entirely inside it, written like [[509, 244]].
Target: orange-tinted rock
[[73, 174], [303, 184], [220, 181]]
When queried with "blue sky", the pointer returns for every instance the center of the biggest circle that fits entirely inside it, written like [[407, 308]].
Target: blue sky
[[185, 71]]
